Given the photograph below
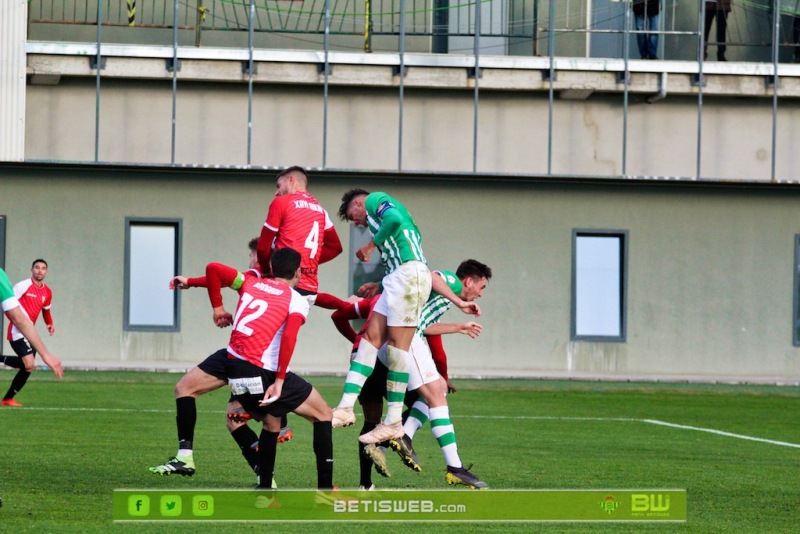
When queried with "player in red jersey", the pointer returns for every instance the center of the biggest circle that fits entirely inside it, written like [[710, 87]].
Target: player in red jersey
[[268, 317], [34, 296], [207, 376], [297, 220]]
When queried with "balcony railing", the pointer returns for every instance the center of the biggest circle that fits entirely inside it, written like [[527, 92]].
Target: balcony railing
[[580, 28]]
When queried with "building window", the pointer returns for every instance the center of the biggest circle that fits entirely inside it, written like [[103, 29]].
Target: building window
[[152, 258], [599, 280], [796, 310]]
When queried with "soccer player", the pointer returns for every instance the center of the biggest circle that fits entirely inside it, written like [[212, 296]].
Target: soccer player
[[469, 281], [268, 317], [16, 314], [296, 220], [427, 377], [209, 375], [406, 287], [34, 296]]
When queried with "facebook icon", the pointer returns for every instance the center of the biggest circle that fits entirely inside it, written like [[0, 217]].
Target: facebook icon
[[138, 505]]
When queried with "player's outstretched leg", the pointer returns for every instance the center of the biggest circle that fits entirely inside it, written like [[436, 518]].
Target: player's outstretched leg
[[360, 368]]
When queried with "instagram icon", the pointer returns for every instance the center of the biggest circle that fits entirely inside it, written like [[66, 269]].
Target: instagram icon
[[202, 505]]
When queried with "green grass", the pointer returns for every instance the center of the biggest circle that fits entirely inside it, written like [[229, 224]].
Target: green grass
[[76, 440]]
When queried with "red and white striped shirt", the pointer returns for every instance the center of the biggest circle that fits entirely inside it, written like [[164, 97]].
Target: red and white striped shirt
[[33, 300]]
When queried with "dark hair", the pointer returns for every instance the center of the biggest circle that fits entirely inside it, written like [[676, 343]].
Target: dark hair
[[294, 169], [253, 244], [347, 198], [285, 262], [38, 260], [473, 269]]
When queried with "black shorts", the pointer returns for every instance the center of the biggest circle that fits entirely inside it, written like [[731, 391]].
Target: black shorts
[[22, 347], [214, 365], [374, 390], [294, 393]]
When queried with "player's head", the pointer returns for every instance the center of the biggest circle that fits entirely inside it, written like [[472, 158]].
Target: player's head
[[39, 269], [253, 244], [291, 180], [474, 277], [352, 208], [285, 264]]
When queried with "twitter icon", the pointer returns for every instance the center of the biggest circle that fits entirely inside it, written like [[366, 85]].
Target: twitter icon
[[171, 505]]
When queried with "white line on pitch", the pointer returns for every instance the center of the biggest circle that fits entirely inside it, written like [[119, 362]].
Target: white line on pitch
[[518, 417], [721, 433], [649, 421]]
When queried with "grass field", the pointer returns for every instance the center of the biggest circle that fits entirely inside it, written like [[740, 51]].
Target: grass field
[[76, 440]]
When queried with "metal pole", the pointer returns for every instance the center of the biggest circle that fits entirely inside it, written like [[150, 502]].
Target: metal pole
[[626, 48], [250, 67], [535, 33], [551, 43], [775, 36], [201, 16], [326, 69], [368, 26], [174, 77], [476, 104], [402, 45], [700, 81], [98, 65]]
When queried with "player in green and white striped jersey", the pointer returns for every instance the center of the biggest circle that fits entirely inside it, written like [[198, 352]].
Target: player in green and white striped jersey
[[469, 281], [395, 317]]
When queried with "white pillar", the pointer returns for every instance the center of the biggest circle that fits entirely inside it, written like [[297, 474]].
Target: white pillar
[[13, 36]]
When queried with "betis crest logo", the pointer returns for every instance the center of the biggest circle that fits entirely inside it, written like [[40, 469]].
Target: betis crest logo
[[609, 504]]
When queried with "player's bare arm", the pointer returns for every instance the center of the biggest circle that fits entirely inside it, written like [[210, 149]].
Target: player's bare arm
[[24, 324], [470, 328], [369, 290], [439, 285], [366, 251]]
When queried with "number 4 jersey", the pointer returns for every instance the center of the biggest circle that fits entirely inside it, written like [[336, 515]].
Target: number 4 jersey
[[302, 224]]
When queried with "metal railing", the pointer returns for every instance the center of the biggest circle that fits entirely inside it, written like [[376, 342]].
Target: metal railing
[[509, 27], [575, 38]]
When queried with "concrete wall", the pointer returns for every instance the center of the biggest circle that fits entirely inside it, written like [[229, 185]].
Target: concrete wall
[[710, 266], [287, 129]]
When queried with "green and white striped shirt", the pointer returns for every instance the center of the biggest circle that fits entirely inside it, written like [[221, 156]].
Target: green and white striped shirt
[[393, 231], [436, 305]]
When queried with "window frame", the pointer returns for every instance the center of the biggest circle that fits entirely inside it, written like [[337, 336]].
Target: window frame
[[623, 237], [177, 225], [796, 294]]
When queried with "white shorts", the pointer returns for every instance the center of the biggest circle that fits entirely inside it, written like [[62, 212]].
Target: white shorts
[[405, 292], [421, 367]]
